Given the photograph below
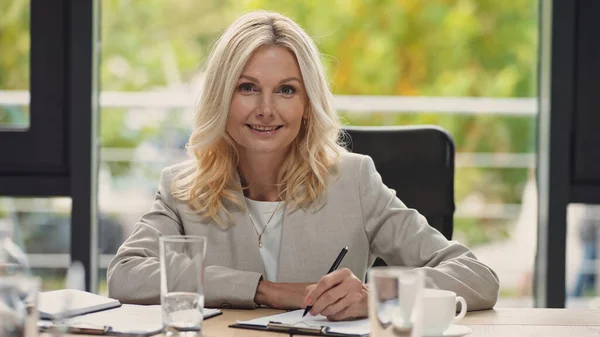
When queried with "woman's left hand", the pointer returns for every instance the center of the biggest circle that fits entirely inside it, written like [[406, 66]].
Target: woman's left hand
[[338, 296]]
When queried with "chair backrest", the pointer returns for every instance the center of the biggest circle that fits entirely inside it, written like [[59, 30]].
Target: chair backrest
[[417, 162]]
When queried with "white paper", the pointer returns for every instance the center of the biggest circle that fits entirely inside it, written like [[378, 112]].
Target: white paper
[[129, 318], [355, 327], [125, 319]]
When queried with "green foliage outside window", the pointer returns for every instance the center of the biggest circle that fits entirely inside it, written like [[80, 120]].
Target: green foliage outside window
[[452, 48]]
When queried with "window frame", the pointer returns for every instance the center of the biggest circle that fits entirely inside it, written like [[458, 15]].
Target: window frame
[[58, 154]]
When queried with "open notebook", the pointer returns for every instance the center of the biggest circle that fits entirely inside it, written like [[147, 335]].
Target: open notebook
[[309, 325], [71, 302]]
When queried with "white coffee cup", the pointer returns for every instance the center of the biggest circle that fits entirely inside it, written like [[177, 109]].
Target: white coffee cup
[[439, 310]]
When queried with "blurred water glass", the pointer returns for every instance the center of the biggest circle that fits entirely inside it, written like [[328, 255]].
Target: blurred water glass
[[396, 301], [18, 306], [75, 279], [182, 283]]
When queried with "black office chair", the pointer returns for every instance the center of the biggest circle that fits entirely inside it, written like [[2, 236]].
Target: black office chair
[[417, 162]]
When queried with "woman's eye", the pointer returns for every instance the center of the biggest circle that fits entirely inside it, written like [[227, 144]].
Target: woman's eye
[[288, 90], [246, 87]]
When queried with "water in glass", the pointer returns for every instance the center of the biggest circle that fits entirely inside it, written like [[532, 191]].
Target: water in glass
[[183, 311], [182, 275]]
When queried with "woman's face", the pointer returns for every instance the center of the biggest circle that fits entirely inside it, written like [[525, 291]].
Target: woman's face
[[268, 103]]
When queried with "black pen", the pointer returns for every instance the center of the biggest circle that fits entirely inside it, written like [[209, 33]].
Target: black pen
[[334, 266]]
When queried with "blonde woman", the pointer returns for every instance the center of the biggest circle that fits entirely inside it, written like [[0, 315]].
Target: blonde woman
[[277, 196]]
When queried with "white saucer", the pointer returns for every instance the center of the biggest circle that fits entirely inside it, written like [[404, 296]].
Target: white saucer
[[454, 331]]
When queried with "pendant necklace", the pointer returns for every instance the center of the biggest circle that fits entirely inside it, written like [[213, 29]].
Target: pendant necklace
[[264, 228]]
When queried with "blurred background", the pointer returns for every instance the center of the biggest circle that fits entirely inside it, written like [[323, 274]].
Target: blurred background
[[469, 66]]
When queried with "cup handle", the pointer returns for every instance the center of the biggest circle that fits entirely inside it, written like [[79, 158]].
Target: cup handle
[[463, 309]]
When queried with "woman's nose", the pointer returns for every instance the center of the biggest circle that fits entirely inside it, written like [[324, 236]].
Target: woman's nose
[[266, 107], [265, 113]]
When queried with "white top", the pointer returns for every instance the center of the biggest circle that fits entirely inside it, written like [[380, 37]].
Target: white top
[[271, 239]]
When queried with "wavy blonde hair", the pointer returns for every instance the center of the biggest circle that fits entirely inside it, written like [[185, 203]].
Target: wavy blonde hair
[[302, 179]]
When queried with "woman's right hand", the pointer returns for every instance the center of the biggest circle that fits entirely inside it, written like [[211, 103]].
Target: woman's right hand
[[281, 295]]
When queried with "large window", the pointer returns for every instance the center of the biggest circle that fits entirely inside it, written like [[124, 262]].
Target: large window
[[40, 75], [468, 66], [14, 65], [40, 226]]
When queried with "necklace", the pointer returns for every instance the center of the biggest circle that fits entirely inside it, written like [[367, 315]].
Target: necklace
[[264, 228]]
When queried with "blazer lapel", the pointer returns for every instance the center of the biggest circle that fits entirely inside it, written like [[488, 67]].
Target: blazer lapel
[[246, 244], [308, 246], [291, 241], [301, 252]]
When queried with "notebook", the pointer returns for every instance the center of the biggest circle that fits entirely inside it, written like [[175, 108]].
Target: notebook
[[309, 325], [128, 319], [71, 302]]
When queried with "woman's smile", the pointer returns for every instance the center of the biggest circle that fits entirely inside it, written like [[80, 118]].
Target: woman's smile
[[264, 130]]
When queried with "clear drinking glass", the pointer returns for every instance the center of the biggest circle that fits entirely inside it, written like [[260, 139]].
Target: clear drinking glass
[[181, 283], [396, 301], [18, 305]]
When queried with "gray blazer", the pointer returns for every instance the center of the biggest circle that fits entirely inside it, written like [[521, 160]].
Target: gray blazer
[[360, 212]]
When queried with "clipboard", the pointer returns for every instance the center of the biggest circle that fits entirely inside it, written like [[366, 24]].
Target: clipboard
[[295, 329]]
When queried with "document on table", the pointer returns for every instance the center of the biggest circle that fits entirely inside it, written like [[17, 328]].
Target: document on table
[[354, 327], [136, 319], [130, 319]]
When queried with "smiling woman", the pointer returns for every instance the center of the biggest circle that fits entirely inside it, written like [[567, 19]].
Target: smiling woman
[[272, 188]]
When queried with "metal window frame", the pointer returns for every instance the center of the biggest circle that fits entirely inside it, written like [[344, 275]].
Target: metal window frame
[[83, 67], [33, 160], [58, 154], [557, 90]]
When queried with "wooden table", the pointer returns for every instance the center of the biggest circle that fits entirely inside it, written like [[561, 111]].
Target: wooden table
[[489, 323]]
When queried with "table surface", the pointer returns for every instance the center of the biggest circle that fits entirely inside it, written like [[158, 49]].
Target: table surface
[[505, 322]]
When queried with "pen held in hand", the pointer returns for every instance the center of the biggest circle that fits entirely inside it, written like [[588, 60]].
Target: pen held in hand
[[334, 266]]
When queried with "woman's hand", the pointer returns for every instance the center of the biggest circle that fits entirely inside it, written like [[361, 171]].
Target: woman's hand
[[338, 296], [281, 295]]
